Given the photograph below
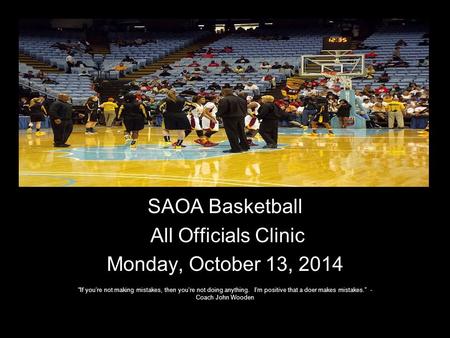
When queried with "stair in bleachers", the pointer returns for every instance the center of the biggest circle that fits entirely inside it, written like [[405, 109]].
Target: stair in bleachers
[[171, 58], [30, 61], [98, 42]]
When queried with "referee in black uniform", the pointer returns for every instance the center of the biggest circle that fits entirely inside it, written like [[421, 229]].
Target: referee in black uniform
[[269, 113], [232, 109], [60, 113]]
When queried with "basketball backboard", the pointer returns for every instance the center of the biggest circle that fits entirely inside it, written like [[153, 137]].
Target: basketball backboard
[[339, 62]]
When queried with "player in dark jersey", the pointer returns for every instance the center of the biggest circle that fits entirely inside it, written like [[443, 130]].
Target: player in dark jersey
[[37, 114], [322, 117], [91, 112], [134, 116], [175, 118]]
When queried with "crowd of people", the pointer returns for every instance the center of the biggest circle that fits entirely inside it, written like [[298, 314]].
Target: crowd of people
[[241, 115], [378, 106], [226, 68], [81, 46], [39, 75], [396, 61], [133, 42]]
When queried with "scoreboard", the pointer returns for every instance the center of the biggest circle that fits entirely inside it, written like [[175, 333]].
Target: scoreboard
[[336, 43]]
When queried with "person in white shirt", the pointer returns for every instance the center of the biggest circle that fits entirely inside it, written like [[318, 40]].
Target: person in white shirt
[[304, 92], [420, 115], [251, 121], [209, 121], [410, 108], [366, 109], [367, 104], [406, 95], [194, 118], [250, 86], [330, 83], [70, 63]]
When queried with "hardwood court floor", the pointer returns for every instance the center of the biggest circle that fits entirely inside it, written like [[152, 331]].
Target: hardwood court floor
[[353, 158]]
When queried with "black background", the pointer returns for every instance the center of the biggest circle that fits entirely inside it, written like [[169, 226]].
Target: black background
[[386, 236], [375, 231]]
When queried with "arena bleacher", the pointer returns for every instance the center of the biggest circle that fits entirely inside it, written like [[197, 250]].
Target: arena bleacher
[[255, 48], [162, 45], [80, 88], [385, 39]]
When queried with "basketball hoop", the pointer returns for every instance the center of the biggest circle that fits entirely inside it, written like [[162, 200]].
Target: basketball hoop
[[335, 66], [332, 75], [344, 80], [329, 74]]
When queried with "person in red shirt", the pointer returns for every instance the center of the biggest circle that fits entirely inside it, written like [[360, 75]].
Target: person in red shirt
[[213, 64], [270, 79], [281, 103], [371, 55], [295, 104], [381, 90], [194, 64], [208, 55], [145, 87], [323, 82], [312, 84], [202, 92], [138, 95]]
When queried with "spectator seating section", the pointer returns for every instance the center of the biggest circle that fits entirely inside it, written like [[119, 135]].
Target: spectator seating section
[[412, 53], [78, 87], [254, 49], [40, 48]]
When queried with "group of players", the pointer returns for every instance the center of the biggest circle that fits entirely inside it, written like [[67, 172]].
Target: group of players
[[180, 115], [200, 115]]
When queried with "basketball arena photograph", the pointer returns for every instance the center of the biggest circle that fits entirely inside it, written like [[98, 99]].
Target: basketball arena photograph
[[316, 102]]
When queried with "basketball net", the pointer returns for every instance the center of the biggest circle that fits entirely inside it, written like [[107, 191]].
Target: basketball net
[[344, 80]]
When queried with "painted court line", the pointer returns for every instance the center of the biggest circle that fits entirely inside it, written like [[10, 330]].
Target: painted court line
[[159, 177]]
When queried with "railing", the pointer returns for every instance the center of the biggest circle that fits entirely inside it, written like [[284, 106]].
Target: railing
[[28, 84]]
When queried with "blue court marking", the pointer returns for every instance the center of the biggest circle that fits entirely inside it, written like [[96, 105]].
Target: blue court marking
[[154, 152], [337, 132]]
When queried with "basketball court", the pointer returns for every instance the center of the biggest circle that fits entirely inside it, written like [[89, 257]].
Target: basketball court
[[352, 158]]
